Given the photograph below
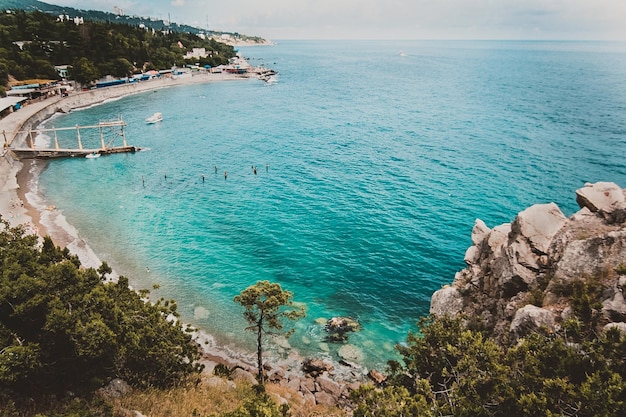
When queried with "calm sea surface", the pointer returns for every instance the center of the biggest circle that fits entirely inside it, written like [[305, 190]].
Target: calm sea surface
[[372, 166]]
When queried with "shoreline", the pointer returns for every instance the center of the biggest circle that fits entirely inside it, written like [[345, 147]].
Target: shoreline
[[18, 179], [18, 188]]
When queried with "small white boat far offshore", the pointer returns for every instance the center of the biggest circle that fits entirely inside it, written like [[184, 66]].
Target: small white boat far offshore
[[92, 155], [156, 117]]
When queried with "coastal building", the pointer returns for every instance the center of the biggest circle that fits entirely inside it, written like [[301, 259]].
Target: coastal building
[[35, 90], [10, 104], [62, 70], [196, 53]]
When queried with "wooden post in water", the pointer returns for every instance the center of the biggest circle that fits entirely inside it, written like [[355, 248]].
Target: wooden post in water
[[102, 139], [123, 135], [80, 145], [56, 140], [30, 139]]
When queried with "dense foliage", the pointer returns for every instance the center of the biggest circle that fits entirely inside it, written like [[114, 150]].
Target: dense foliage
[[65, 328], [102, 16], [32, 43], [448, 369]]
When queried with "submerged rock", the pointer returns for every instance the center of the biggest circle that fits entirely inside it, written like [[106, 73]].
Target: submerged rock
[[350, 353], [337, 327]]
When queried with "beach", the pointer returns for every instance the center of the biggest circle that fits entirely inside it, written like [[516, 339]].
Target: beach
[[20, 204], [15, 175]]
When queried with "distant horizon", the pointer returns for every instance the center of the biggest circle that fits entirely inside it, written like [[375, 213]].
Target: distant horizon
[[551, 20]]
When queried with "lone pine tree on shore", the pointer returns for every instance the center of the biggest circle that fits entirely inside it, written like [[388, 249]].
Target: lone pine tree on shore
[[266, 305]]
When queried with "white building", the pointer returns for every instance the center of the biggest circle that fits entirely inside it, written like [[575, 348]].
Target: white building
[[196, 53]]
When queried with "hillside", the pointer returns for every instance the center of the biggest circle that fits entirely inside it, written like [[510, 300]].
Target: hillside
[[100, 16]]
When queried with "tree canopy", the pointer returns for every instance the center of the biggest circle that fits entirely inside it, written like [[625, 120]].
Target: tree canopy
[[448, 369], [266, 305], [67, 328], [32, 43]]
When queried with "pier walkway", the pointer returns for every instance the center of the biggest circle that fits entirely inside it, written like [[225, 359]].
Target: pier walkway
[[113, 127]]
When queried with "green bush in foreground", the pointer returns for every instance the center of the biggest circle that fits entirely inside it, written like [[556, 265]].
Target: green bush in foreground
[[64, 329], [450, 370]]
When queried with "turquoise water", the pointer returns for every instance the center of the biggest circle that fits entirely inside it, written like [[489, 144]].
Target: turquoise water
[[372, 166]]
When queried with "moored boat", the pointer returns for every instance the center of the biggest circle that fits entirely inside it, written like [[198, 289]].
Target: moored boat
[[156, 117]]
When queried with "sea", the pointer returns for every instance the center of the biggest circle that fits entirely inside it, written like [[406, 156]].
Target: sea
[[353, 178]]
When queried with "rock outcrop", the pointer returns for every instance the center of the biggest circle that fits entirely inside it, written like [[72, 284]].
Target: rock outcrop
[[519, 276]]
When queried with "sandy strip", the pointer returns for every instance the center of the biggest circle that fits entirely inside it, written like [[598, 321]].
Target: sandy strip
[[15, 175]]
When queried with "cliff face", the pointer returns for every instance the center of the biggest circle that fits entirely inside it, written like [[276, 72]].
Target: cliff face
[[520, 276]]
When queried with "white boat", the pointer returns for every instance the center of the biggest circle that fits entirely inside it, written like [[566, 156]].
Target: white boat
[[156, 117], [92, 155]]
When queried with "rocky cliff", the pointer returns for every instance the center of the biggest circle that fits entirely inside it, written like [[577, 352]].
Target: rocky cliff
[[525, 275]]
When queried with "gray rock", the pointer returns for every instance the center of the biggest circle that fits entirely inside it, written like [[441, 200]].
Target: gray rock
[[276, 375], [615, 308], [602, 196], [315, 366], [538, 224], [447, 300], [328, 385], [243, 375], [530, 318], [498, 237], [621, 326], [472, 255], [480, 232], [294, 385], [324, 398], [115, 389], [543, 252], [307, 385]]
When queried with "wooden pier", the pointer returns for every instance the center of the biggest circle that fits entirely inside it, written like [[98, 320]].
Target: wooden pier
[[115, 127]]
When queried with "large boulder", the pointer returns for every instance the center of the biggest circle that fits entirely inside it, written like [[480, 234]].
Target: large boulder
[[115, 389], [243, 375], [602, 196], [339, 327], [315, 366], [537, 225], [614, 308], [534, 259], [480, 232], [447, 300], [530, 318]]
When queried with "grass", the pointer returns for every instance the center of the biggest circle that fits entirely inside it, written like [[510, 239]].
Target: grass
[[208, 400]]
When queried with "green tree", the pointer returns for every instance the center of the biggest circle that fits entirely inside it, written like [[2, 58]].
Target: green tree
[[457, 371], [84, 71], [266, 305], [67, 328]]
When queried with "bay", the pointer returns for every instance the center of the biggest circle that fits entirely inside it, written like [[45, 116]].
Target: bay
[[373, 160]]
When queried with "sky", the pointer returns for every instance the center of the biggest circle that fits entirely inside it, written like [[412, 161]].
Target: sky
[[387, 19]]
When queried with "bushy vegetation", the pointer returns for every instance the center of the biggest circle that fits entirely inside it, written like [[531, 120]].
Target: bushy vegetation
[[92, 49], [448, 369], [65, 329]]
